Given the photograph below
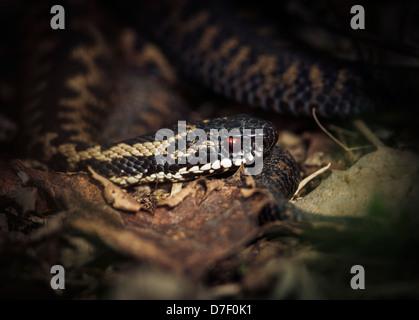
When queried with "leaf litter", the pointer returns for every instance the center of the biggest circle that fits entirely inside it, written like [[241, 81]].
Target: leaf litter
[[186, 234], [206, 235]]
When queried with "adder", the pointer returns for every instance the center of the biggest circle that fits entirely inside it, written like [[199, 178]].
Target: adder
[[74, 78]]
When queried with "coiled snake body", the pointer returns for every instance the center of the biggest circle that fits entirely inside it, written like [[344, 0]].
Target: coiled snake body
[[73, 79]]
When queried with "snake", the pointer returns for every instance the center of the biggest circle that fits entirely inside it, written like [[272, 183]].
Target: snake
[[73, 78]]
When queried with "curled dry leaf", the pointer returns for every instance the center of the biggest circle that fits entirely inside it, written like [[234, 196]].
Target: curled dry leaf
[[248, 192], [190, 189], [115, 195], [207, 221], [59, 191], [176, 187], [241, 178]]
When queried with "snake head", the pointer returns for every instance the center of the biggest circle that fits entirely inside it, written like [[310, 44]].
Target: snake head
[[247, 127], [232, 141], [186, 151]]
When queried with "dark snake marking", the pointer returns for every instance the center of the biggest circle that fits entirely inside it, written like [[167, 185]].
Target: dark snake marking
[[74, 80], [225, 51], [136, 160]]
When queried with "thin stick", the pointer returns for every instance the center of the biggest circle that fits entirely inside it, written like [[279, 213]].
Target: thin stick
[[309, 178], [371, 137], [332, 137], [343, 131], [327, 132]]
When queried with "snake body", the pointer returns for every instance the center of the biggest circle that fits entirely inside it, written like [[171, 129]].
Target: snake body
[[136, 160], [75, 77], [234, 55]]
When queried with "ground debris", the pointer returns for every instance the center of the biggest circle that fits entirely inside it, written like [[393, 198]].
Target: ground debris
[[387, 174], [115, 196], [187, 234]]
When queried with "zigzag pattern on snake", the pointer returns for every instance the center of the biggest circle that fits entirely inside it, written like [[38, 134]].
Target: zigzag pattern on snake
[[75, 77]]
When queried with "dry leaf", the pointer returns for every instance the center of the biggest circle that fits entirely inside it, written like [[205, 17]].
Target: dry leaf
[[115, 195]]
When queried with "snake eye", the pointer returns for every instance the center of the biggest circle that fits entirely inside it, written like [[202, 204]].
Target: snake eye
[[233, 144]]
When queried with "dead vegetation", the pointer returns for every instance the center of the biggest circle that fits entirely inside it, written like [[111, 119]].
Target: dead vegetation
[[205, 241]]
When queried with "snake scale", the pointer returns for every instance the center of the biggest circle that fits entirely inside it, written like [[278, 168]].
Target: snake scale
[[74, 78]]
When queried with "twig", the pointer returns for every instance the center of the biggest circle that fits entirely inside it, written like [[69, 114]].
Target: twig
[[371, 137], [347, 149], [328, 133], [343, 131], [309, 178]]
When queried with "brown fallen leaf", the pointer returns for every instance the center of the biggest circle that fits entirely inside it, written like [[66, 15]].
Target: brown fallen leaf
[[115, 196], [60, 191], [191, 188], [249, 192], [240, 178], [210, 220], [207, 221]]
